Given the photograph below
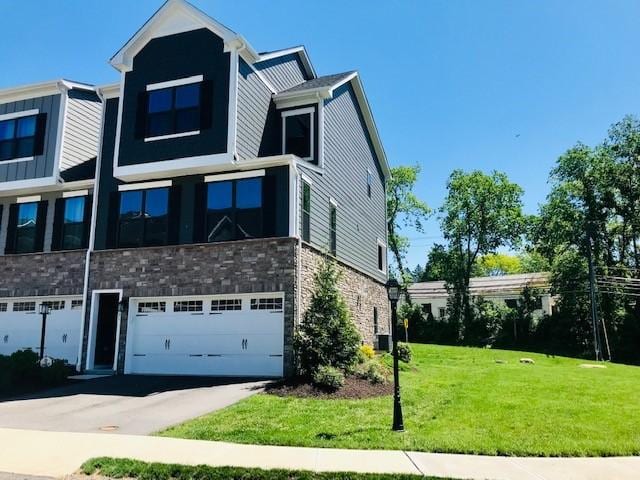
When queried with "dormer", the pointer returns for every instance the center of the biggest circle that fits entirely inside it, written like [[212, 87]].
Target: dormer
[[48, 132], [177, 105]]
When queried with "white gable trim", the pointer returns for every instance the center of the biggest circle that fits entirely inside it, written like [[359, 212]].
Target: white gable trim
[[302, 53], [178, 16]]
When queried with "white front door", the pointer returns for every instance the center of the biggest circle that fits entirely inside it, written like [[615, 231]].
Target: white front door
[[232, 335], [21, 326]]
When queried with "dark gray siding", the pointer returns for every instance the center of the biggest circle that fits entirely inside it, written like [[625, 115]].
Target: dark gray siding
[[348, 154], [42, 165], [198, 52], [82, 128], [257, 132], [283, 72]]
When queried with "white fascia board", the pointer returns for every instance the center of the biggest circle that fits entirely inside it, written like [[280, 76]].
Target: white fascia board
[[173, 168], [144, 185], [25, 187], [75, 193], [234, 175], [25, 92], [109, 91], [177, 16]]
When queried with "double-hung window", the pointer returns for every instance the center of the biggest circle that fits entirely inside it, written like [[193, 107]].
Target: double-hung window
[[306, 211], [71, 226], [333, 221], [234, 210], [382, 256], [173, 110], [26, 227], [144, 218], [18, 137], [298, 132]]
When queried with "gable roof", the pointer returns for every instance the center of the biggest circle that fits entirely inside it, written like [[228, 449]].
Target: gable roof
[[299, 50], [319, 84], [177, 16]]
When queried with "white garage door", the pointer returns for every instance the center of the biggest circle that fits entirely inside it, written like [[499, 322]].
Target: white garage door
[[21, 325], [215, 335]]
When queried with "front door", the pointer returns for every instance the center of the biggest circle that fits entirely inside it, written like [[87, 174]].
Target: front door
[[106, 330]]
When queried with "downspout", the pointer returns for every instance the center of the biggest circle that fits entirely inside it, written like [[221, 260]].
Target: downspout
[[92, 232]]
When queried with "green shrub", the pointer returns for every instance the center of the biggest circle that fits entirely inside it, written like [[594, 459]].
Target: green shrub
[[404, 352], [25, 369], [376, 373], [326, 336], [328, 378], [54, 375]]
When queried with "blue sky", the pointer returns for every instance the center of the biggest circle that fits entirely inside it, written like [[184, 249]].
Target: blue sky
[[506, 85]]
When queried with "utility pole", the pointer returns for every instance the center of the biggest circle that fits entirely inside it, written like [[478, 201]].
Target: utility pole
[[594, 306]]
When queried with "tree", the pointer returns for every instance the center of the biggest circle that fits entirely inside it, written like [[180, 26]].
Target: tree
[[494, 264], [438, 264], [327, 336], [404, 209], [480, 214]]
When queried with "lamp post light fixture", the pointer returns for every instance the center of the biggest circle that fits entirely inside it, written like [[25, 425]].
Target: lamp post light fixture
[[45, 309], [393, 291]]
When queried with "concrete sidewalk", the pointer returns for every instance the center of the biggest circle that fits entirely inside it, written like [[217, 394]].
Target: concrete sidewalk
[[30, 452]]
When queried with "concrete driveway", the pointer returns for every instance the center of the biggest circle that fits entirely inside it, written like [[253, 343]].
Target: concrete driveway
[[137, 405]]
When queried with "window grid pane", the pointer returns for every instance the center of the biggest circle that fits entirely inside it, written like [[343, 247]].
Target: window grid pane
[[266, 303], [76, 304], [188, 306], [152, 307], [54, 304], [17, 137], [3, 307], [226, 304], [173, 110], [24, 306]]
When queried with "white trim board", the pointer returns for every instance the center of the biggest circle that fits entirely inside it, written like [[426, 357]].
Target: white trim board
[[175, 83], [24, 113], [234, 176], [144, 185], [169, 168], [172, 135], [292, 113], [93, 323]]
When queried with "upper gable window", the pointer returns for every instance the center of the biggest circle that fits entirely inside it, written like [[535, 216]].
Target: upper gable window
[[298, 132], [173, 109], [19, 137]]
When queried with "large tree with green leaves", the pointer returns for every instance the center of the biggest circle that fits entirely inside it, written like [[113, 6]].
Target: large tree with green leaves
[[404, 209], [481, 213]]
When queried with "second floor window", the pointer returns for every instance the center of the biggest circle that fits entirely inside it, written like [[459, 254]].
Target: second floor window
[[234, 210], [144, 218], [18, 137], [173, 110], [26, 227], [71, 223], [306, 212], [298, 133], [333, 221]]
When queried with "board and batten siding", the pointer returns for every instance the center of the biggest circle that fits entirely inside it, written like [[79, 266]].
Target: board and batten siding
[[81, 134], [42, 165], [283, 72], [254, 100], [348, 154]]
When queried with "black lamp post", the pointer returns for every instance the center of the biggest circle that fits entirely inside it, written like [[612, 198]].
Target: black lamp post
[[44, 311], [393, 291]]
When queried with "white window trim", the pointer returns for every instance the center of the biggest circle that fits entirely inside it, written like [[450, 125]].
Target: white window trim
[[76, 193], [175, 83], [14, 160], [300, 111], [31, 199], [172, 135], [384, 256], [234, 176], [24, 113], [144, 186]]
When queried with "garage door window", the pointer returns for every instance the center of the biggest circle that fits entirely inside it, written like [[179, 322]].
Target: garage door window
[[76, 304], [234, 210], [24, 307], [226, 305], [188, 306], [152, 307], [3, 307], [266, 304], [54, 304]]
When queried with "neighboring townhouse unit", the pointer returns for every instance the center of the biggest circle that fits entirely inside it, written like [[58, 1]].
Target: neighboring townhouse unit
[[504, 289], [49, 135], [224, 177]]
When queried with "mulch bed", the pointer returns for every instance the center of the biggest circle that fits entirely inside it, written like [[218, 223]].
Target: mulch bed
[[354, 388]]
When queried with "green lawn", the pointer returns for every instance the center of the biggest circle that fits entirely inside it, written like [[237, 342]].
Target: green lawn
[[456, 399], [126, 468]]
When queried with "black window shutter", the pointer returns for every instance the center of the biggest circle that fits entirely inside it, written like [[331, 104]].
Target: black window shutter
[[141, 116], [174, 215], [88, 202], [58, 223], [269, 199], [113, 219], [200, 213], [41, 223], [10, 246], [206, 104], [41, 130]]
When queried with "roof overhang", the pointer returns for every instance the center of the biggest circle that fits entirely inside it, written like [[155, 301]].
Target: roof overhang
[[42, 89], [300, 51], [178, 16], [302, 97]]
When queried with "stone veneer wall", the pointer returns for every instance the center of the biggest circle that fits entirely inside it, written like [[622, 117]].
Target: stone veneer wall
[[264, 265], [361, 293], [42, 274]]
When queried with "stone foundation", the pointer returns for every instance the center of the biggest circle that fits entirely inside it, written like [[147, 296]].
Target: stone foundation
[[265, 265], [361, 293], [42, 274]]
